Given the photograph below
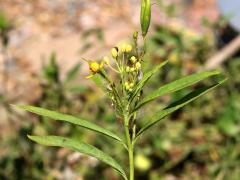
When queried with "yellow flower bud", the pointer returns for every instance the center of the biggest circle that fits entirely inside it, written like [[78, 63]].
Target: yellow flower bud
[[138, 65], [94, 67], [132, 69], [131, 85], [130, 89], [106, 60], [126, 84], [123, 47], [133, 59], [128, 48], [114, 52]]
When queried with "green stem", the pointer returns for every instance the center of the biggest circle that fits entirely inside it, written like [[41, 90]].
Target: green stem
[[130, 150], [131, 162]]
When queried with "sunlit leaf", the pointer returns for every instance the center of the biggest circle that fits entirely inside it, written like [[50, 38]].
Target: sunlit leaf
[[79, 147], [177, 105], [176, 85], [71, 119]]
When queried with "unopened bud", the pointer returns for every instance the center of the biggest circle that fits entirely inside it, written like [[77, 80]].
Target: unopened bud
[[145, 16], [128, 48], [123, 47], [114, 52], [138, 65], [133, 59]]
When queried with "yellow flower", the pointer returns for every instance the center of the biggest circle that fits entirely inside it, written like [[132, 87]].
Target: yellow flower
[[94, 67], [128, 48], [114, 52]]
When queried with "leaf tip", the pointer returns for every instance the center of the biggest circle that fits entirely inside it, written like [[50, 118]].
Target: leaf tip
[[30, 137]]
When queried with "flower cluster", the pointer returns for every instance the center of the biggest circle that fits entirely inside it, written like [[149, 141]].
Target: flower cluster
[[124, 60]]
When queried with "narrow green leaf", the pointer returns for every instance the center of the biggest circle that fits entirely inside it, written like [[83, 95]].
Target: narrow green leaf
[[71, 119], [177, 105], [176, 85], [72, 73], [145, 79], [79, 147]]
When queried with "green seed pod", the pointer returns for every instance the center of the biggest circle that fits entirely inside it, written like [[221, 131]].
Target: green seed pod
[[145, 16]]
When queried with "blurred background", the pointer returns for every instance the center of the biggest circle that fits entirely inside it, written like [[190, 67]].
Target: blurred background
[[42, 43]]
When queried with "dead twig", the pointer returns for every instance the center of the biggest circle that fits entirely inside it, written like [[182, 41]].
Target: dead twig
[[223, 54]]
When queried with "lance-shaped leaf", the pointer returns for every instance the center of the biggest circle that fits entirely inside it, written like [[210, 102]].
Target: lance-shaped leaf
[[176, 85], [177, 105], [79, 147], [145, 79], [71, 119]]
